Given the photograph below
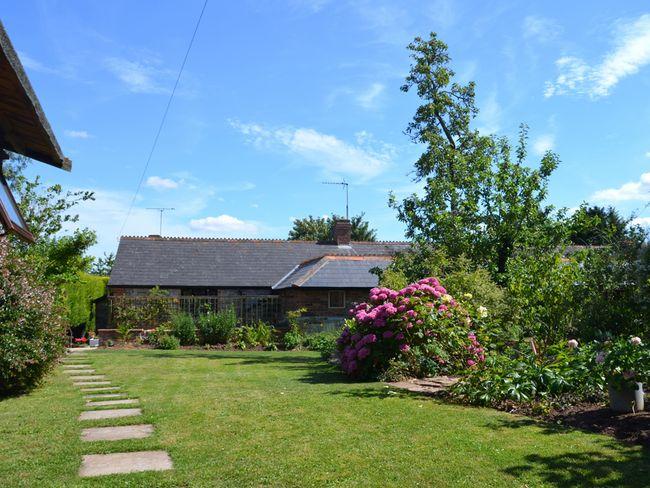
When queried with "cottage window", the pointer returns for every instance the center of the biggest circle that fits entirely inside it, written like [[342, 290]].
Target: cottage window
[[10, 218], [336, 299]]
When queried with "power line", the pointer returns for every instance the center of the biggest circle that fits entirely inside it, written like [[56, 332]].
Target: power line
[[164, 117]]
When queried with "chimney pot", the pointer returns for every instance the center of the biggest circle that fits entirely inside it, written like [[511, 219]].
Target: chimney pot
[[343, 232]]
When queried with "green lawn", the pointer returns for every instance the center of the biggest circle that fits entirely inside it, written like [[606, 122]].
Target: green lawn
[[286, 419]]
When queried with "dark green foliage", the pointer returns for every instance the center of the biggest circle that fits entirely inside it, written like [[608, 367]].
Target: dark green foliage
[[520, 376], [541, 295], [32, 332], [79, 296], [597, 226], [182, 326], [322, 229], [217, 328], [613, 295]]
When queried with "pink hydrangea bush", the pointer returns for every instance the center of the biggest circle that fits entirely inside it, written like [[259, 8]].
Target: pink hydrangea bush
[[421, 319]]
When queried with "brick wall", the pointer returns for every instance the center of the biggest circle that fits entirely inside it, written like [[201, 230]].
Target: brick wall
[[316, 301]]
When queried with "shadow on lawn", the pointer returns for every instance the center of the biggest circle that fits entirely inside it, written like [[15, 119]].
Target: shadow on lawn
[[622, 465]]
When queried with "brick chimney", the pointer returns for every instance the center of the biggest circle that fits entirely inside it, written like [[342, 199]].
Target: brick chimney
[[343, 232]]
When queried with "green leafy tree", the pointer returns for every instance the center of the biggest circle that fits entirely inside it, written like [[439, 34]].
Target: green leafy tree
[[46, 210], [479, 200], [322, 229], [597, 226], [103, 265]]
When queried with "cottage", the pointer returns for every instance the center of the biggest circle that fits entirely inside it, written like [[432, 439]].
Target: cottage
[[326, 278]]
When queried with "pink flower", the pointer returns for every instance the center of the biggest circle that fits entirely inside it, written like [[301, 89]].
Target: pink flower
[[572, 344], [387, 334], [600, 357], [471, 362], [399, 336], [363, 353], [636, 341], [404, 348]]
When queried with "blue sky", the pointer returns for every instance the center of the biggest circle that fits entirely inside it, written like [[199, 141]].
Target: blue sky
[[278, 96]]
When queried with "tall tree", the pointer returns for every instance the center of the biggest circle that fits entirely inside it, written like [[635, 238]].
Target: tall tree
[[597, 226], [46, 210], [478, 201], [103, 265], [322, 229]]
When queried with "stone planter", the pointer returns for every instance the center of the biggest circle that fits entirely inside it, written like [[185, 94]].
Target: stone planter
[[627, 400]]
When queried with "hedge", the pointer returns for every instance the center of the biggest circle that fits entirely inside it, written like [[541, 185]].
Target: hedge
[[79, 298]]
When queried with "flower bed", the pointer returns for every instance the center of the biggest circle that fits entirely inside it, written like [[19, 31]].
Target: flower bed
[[420, 325]]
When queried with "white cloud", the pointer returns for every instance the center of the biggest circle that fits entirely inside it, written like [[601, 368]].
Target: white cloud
[[255, 205], [647, 154], [368, 98], [634, 190], [540, 28], [642, 221], [225, 225], [631, 52], [159, 183], [77, 134], [489, 116], [105, 215], [543, 143], [332, 155], [139, 77]]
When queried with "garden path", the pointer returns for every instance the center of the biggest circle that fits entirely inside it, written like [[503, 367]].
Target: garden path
[[114, 463]]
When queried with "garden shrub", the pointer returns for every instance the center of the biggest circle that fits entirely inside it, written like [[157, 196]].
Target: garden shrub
[[258, 335], [79, 296], [523, 376], [625, 362], [217, 328], [32, 330], [166, 341], [295, 336], [182, 326], [323, 342], [419, 320], [541, 295]]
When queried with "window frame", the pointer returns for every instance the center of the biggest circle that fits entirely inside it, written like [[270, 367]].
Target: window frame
[[329, 298], [11, 227]]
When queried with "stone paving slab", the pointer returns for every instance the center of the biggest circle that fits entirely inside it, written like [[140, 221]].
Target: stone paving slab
[[110, 414], [427, 386], [104, 395], [77, 350], [88, 377], [101, 388], [117, 433], [76, 366], [124, 462], [91, 383], [79, 371], [107, 403]]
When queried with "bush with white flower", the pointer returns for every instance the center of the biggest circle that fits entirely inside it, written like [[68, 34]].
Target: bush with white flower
[[420, 322], [625, 362]]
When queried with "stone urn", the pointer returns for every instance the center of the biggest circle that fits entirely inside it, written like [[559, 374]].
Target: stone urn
[[627, 400]]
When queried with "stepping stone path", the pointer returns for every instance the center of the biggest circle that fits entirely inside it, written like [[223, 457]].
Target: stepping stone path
[[108, 403], [109, 414], [434, 385], [124, 462], [98, 392]]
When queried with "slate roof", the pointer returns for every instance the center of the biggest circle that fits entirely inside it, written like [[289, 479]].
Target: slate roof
[[190, 262], [24, 129], [335, 272]]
